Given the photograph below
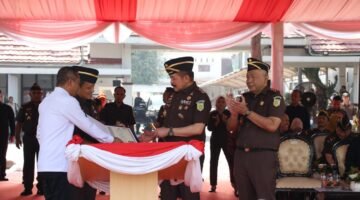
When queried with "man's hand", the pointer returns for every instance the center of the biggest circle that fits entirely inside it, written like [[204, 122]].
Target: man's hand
[[117, 140], [162, 132], [236, 107], [18, 142], [147, 136]]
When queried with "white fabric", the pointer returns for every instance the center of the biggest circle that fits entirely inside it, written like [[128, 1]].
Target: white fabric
[[50, 34], [58, 113], [139, 165]]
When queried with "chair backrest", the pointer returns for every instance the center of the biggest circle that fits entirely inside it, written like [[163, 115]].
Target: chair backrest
[[295, 156], [339, 152], [318, 140]]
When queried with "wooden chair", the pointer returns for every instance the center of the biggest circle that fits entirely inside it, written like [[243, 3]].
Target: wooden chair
[[295, 158], [318, 140], [339, 153]]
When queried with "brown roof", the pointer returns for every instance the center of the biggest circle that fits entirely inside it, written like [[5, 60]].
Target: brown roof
[[14, 52]]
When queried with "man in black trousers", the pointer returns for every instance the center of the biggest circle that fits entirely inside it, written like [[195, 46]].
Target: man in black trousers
[[7, 121], [27, 120]]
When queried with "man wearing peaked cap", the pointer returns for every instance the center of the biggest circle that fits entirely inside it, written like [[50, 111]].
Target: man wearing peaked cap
[[184, 64], [185, 114], [260, 111], [88, 78], [254, 64], [86, 74], [27, 121]]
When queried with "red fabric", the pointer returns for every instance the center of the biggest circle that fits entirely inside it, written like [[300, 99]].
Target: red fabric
[[115, 10], [145, 149], [75, 140], [262, 10]]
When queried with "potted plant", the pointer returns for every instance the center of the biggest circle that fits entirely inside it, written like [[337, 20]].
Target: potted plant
[[354, 176]]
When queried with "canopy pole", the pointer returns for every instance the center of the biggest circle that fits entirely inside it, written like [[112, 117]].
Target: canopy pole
[[277, 56]]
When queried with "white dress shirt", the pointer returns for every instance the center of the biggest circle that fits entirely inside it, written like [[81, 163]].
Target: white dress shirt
[[59, 112]]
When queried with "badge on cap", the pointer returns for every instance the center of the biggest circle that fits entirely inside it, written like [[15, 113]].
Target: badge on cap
[[277, 101], [200, 105]]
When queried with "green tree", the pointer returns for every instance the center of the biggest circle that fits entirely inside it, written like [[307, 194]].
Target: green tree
[[323, 90], [144, 69]]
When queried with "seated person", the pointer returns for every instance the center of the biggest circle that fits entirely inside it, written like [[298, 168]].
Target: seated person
[[284, 125], [296, 128], [322, 121], [353, 155], [342, 133], [335, 112]]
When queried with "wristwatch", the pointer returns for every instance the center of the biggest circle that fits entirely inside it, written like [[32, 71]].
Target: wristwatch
[[171, 132], [248, 112]]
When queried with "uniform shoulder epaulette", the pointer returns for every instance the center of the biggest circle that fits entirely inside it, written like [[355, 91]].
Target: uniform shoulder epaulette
[[275, 90], [201, 90]]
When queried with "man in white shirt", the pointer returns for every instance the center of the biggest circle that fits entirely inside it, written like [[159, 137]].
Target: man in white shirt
[[59, 112]]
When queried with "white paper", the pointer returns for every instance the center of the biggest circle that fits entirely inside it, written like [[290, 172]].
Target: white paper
[[122, 133]]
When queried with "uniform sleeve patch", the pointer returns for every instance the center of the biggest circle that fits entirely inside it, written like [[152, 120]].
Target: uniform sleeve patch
[[277, 101], [200, 105]]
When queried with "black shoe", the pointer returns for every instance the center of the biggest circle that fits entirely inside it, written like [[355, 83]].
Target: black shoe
[[4, 179], [102, 193], [40, 192], [213, 189], [26, 193]]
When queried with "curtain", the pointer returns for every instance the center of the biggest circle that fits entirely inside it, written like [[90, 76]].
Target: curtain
[[137, 159], [197, 36], [342, 31], [53, 34]]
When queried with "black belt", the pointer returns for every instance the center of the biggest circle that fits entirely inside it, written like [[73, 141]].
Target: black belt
[[255, 149]]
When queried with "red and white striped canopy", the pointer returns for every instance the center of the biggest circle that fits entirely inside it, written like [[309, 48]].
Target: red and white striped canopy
[[199, 25], [182, 10]]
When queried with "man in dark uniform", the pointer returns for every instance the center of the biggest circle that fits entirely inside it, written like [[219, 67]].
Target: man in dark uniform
[[27, 121], [88, 78], [118, 113], [259, 111], [219, 140], [296, 110], [186, 113], [7, 122], [342, 133]]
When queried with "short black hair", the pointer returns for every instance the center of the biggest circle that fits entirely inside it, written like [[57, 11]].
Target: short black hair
[[65, 74], [169, 90], [119, 87]]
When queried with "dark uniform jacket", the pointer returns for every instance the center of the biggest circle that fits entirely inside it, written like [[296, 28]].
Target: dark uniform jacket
[[29, 115], [183, 108], [7, 120], [353, 154], [88, 107], [267, 103], [300, 112], [219, 132], [112, 113]]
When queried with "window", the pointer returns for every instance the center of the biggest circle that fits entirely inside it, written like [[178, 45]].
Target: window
[[204, 68]]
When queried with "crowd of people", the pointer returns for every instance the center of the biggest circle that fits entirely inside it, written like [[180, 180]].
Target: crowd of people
[[246, 128]]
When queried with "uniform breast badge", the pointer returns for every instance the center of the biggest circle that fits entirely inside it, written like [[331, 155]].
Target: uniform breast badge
[[261, 103], [276, 102], [180, 107], [180, 116], [200, 105]]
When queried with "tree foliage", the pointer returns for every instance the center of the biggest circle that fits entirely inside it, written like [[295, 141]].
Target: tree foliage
[[144, 69], [323, 90]]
